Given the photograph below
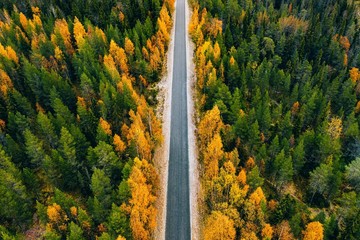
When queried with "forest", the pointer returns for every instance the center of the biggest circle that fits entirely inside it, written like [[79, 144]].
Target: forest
[[78, 128], [278, 90]]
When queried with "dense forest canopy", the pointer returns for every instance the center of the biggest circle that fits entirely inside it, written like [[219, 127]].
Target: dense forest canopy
[[278, 89], [77, 125]]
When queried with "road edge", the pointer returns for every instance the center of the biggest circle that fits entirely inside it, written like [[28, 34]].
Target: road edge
[[162, 153], [193, 163]]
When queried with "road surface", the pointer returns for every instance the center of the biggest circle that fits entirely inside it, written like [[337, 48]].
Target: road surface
[[178, 205]]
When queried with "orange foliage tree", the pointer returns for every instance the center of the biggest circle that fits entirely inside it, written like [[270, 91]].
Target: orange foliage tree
[[314, 231]]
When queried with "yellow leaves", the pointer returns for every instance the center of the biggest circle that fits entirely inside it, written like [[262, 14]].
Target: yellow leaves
[[142, 212], [105, 126], [58, 54], [334, 128], [219, 226], [267, 232], [217, 52], [120, 238], [79, 33], [214, 152], [165, 18], [129, 46], [8, 53], [257, 197], [137, 133], [118, 144], [110, 66], [209, 126], [354, 74], [292, 24], [61, 27], [314, 231], [119, 57]]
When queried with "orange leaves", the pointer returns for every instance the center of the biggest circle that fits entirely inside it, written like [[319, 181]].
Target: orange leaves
[[295, 108], [242, 177], [354, 74], [53, 213], [214, 27], [8, 53], [267, 232], [143, 212], [129, 46], [257, 197], [5, 83], [105, 126], [344, 42], [314, 231], [219, 226], [119, 144]]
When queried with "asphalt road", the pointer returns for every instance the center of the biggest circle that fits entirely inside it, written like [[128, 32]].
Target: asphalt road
[[178, 205]]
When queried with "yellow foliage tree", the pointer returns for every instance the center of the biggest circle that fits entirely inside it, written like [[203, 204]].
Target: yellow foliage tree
[[257, 197], [209, 126], [219, 226], [213, 154], [61, 27], [267, 232], [9, 53], [129, 46], [143, 212], [217, 52], [119, 56], [79, 33], [335, 127], [314, 231], [137, 134]]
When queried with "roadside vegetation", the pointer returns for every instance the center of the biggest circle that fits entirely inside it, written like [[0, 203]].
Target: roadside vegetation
[[278, 90], [77, 125]]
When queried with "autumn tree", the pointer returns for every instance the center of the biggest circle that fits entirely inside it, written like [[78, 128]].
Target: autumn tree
[[313, 231], [143, 212], [219, 226]]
